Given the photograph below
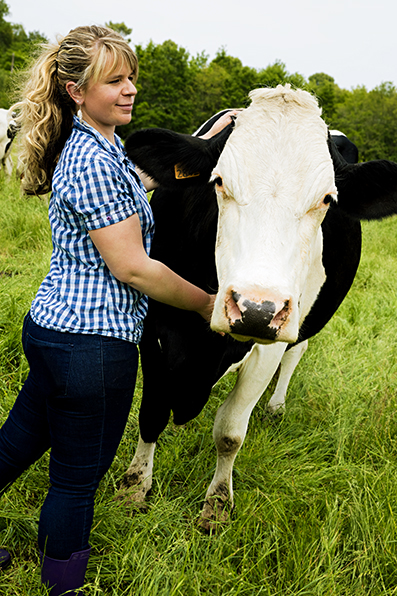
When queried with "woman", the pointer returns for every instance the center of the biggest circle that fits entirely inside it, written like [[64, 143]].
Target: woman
[[81, 334]]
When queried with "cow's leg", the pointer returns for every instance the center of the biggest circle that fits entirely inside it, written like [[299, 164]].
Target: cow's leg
[[138, 478], [288, 364], [231, 424]]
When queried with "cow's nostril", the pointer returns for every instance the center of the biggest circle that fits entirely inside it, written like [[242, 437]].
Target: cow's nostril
[[281, 316], [232, 310]]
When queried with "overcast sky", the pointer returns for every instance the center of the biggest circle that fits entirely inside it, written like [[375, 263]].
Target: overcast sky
[[354, 41]]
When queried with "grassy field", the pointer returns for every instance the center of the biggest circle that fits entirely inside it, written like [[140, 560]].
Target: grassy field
[[315, 490]]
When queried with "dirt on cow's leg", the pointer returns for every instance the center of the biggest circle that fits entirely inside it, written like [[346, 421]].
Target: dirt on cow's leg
[[217, 509], [137, 481], [134, 489]]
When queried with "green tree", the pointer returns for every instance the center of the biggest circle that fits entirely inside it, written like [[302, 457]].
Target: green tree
[[208, 97], [369, 119], [329, 95], [120, 28], [22, 45], [5, 42], [323, 86], [277, 74], [238, 80], [16, 48], [5, 27], [165, 88]]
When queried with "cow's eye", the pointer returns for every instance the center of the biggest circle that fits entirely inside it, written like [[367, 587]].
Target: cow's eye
[[327, 200], [218, 181]]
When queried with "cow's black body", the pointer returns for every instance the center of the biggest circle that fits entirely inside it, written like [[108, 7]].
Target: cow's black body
[[181, 357]]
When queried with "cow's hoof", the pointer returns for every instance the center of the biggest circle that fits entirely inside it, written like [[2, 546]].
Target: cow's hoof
[[273, 414], [133, 499], [133, 491], [134, 487], [216, 514], [135, 478]]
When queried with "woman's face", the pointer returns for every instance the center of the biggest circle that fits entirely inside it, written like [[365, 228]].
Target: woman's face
[[108, 102]]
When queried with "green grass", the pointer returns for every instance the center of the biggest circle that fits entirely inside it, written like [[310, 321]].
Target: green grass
[[315, 490]]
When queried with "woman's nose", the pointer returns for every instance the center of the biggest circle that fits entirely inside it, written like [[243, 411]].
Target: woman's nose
[[130, 89]]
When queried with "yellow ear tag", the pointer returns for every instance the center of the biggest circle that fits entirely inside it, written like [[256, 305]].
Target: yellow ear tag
[[181, 174]]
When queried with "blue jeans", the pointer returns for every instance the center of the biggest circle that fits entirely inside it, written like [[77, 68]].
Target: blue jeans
[[75, 401]]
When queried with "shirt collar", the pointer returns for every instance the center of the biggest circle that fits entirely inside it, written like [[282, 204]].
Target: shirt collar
[[116, 149]]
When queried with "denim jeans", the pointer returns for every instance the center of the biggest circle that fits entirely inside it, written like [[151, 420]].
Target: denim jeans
[[75, 401]]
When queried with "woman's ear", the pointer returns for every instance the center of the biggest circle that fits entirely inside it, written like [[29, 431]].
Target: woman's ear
[[75, 92]]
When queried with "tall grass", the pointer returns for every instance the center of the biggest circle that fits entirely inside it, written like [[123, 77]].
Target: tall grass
[[315, 490]]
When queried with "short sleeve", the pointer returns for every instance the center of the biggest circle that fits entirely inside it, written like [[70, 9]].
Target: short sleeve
[[102, 195]]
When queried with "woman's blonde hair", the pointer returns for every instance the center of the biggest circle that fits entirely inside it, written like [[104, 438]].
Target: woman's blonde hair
[[45, 112]]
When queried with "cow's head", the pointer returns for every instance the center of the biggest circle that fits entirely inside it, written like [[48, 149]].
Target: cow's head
[[274, 183], [274, 178]]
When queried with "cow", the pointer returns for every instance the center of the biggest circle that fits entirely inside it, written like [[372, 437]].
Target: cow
[[345, 146], [8, 130], [265, 214]]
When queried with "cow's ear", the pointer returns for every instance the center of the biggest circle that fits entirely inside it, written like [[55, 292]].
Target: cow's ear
[[174, 159], [368, 190]]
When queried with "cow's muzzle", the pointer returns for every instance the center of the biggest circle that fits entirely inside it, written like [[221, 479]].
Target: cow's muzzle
[[262, 319]]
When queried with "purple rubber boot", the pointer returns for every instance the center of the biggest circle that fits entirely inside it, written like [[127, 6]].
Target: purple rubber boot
[[5, 558], [64, 575]]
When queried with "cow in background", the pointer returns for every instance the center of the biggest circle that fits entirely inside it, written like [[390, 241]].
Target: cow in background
[[8, 130], [278, 205]]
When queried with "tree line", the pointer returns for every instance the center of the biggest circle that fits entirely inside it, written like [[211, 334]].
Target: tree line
[[179, 91]]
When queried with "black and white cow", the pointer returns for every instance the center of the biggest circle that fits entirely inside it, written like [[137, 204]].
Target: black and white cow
[[278, 207], [8, 130]]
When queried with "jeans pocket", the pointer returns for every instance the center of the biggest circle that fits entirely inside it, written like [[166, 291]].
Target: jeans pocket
[[49, 364], [120, 365]]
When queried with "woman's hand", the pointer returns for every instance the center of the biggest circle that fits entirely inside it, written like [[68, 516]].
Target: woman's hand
[[221, 123], [207, 310]]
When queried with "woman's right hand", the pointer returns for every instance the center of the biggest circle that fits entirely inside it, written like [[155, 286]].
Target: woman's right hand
[[206, 311]]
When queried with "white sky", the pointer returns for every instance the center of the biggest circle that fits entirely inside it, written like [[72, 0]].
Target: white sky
[[354, 41]]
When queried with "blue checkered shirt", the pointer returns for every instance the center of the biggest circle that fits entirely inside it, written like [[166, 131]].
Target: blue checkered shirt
[[94, 185]]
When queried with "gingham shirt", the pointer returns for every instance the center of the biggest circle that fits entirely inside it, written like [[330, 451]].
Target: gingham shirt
[[94, 185]]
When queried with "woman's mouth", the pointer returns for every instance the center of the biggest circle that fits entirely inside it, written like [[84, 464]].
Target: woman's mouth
[[125, 106]]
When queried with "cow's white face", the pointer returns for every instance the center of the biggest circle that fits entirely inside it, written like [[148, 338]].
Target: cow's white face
[[274, 183]]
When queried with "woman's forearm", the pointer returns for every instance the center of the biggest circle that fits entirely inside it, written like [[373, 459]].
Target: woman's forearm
[[121, 248], [160, 283]]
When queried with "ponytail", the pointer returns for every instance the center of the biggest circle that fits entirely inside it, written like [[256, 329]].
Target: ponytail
[[45, 123]]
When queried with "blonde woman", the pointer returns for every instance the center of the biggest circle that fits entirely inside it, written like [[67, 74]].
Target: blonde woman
[[81, 334]]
